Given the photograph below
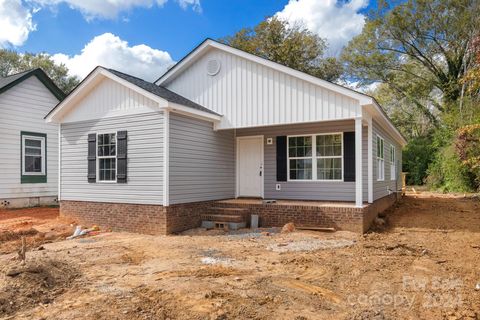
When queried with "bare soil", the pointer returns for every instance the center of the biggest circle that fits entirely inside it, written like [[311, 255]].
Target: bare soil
[[423, 264]]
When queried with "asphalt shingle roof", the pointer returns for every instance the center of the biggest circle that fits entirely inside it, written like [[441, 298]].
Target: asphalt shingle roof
[[11, 81], [161, 91]]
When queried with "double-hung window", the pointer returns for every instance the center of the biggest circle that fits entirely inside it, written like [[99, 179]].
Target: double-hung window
[[107, 157], [315, 157], [33, 157], [380, 159], [393, 168]]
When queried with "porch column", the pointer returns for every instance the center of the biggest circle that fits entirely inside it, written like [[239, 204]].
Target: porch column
[[358, 163], [370, 160]]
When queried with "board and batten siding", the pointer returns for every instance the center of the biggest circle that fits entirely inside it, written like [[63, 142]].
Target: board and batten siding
[[109, 99], [22, 108], [249, 94], [144, 162], [306, 190], [202, 161], [380, 188]]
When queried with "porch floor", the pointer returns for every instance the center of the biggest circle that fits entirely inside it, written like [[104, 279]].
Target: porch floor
[[306, 203]]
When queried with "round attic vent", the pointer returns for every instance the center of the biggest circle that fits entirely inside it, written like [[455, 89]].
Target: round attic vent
[[213, 67]]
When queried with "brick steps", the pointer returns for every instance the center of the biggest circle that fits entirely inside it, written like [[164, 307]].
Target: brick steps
[[225, 218]]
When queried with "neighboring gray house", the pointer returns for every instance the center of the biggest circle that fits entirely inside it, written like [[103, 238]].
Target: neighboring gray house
[[224, 124], [29, 146]]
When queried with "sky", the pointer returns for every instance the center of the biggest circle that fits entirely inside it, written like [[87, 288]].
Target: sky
[[145, 37]]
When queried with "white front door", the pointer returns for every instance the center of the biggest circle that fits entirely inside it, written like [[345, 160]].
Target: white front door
[[250, 166]]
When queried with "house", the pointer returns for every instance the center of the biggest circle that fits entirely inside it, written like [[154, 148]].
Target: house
[[29, 146], [214, 135]]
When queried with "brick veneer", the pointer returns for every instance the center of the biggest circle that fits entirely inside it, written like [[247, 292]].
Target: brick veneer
[[142, 218], [156, 219]]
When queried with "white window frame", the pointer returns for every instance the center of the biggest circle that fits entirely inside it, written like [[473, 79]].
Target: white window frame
[[380, 160], [393, 166], [107, 157], [314, 157], [42, 154]]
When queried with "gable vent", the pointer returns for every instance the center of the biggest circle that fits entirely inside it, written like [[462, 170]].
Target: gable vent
[[213, 67]]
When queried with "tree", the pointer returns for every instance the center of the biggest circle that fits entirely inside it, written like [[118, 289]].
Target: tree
[[417, 42], [292, 45], [12, 62]]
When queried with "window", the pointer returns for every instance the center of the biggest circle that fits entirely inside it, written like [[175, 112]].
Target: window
[[300, 158], [107, 157], [380, 159], [34, 160], [316, 157], [393, 169], [329, 157]]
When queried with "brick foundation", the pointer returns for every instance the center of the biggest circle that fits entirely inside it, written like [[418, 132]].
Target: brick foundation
[[156, 219]]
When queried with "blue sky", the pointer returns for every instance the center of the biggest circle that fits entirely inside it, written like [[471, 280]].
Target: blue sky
[[144, 37]]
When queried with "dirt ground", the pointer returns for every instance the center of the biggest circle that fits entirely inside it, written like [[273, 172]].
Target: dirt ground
[[423, 264]]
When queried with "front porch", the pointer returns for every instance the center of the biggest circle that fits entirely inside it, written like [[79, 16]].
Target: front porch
[[326, 214]]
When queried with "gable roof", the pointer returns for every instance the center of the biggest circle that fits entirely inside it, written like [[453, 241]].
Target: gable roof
[[166, 98], [12, 80], [161, 91], [207, 44]]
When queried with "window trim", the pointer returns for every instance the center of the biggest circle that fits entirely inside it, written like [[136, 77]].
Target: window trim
[[392, 162], [380, 158], [106, 157], [314, 157], [33, 177]]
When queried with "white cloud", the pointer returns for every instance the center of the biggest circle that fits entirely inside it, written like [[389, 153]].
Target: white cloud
[[109, 9], [337, 22], [15, 23], [195, 4], [110, 51], [106, 9]]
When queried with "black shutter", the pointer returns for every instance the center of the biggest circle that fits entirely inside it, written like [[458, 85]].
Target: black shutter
[[92, 157], [282, 158], [349, 156], [122, 157]]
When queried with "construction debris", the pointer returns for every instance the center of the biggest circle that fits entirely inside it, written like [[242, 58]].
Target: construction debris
[[289, 227]]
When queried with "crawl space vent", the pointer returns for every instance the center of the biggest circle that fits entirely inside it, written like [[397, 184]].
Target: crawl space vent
[[213, 67]]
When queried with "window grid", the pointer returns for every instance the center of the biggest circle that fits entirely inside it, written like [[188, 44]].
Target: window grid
[[107, 157], [393, 168], [317, 165], [33, 155], [380, 159]]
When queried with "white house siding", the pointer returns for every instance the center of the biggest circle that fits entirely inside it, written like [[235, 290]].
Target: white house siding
[[249, 94], [145, 160], [306, 190], [22, 108], [380, 188], [202, 161], [109, 99]]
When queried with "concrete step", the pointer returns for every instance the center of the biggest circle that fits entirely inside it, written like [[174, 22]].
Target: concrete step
[[229, 210]]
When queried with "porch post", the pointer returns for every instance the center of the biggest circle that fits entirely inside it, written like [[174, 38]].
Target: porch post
[[358, 163], [370, 160]]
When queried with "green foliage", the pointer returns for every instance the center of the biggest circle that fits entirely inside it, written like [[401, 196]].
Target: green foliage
[[417, 156], [419, 48], [467, 146], [447, 173], [291, 45], [426, 56], [12, 62]]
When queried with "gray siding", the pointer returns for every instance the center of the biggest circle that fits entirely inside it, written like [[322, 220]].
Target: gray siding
[[380, 188], [22, 108], [311, 190], [202, 161], [145, 160]]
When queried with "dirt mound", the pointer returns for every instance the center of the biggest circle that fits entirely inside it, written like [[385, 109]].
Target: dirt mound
[[37, 282], [8, 235]]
